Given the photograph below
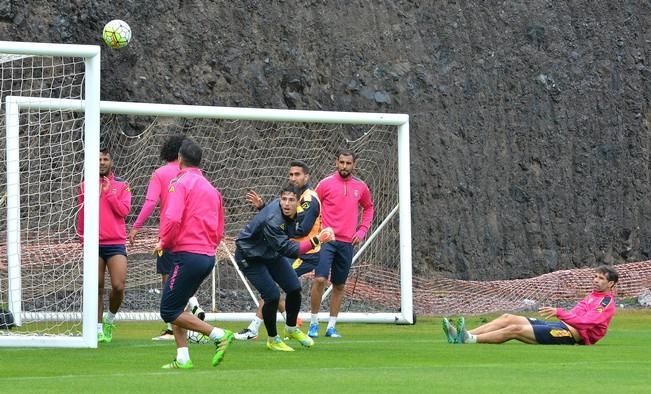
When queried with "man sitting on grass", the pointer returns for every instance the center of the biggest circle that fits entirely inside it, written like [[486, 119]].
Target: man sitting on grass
[[584, 324]]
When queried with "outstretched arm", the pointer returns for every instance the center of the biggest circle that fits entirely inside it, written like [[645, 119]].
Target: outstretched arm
[[585, 316], [254, 199]]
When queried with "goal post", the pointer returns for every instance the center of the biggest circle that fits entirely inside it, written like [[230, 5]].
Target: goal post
[[43, 71], [231, 138]]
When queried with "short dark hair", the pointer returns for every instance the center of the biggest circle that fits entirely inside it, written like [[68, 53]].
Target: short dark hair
[[105, 150], [191, 153], [609, 272], [302, 164], [346, 152], [290, 188], [170, 149]]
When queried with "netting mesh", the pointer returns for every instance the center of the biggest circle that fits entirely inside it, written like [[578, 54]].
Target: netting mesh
[[50, 165], [442, 296]]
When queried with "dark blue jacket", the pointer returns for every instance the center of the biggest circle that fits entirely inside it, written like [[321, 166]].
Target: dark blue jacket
[[267, 234]]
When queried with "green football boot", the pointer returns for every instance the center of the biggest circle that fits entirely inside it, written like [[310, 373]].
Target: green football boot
[[300, 337], [276, 344], [221, 346], [177, 365]]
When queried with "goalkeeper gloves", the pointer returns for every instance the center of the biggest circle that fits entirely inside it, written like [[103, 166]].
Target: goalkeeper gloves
[[326, 235]]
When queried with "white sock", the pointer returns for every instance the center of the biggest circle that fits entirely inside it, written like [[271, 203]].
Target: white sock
[[255, 325], [182, 355], [100, 329], [284, 315], [192, 302], [470, 338], [290, 328], [216, 334], [332, 321], [314, 318], [109, 317], [169, 326]]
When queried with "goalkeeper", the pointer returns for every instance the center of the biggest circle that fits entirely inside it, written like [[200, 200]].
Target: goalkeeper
[[308, 225], [585, 324], [259, 253]]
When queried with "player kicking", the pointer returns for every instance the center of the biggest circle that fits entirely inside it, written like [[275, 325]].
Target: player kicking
[[114, 206], [194, 226], [585, 324], [308, 220], [259, 253], [158, 191]]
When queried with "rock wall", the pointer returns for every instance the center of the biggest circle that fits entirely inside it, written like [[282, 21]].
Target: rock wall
[[529, 119]]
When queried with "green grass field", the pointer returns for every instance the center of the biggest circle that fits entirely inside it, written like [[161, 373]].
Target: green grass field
[[370, 358]]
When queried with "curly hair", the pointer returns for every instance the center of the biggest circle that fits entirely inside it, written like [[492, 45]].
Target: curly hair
[[170, 149]]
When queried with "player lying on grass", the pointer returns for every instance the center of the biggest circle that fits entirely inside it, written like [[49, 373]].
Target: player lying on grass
[[585, 324]]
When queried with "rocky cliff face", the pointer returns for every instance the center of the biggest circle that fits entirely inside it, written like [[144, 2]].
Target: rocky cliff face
[[529, 119]]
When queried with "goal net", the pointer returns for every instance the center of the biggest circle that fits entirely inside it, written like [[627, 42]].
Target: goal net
[[46, 290], [563, 288], [242, 154], [244, 149]]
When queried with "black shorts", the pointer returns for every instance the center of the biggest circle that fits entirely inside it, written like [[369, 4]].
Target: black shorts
[[108, 251], [551, 333], [305, 263], [188, 272], [164, 262], [267, 274], [335, 259]]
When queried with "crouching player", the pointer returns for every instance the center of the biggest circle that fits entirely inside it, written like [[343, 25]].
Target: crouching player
[[260, 253]]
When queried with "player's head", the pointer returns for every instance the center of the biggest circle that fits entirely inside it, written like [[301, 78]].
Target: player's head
[[170, 149], [605, 278], [105, 162], [345, 162], [299, 173], [189, 154], [289, 196]]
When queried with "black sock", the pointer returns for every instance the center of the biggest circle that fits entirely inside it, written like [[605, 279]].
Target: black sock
[[292, 306], [269, 310]]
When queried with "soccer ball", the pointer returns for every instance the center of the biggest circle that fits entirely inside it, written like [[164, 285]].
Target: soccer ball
[[116, 34], [197, 337]]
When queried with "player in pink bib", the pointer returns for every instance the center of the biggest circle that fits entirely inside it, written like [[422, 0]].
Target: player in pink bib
[[114, 206], [585, 324], [341, 196], [194, 226], [157, 191]]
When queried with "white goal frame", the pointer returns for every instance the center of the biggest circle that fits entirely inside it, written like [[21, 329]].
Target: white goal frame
[[91, 56], [406, 313]]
